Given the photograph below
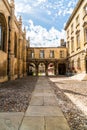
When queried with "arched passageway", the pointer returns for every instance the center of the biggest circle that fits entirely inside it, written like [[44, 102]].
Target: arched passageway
[[51, 69], [32, 69], [41, 69], [46, 68], [62, 69]]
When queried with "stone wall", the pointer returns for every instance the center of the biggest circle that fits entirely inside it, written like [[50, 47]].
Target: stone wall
[[3, 66]]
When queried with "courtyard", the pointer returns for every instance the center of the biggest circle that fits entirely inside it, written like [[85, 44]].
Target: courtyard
[[44, 103]]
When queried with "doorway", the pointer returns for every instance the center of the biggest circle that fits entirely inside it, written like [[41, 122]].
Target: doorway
[[62, 69]]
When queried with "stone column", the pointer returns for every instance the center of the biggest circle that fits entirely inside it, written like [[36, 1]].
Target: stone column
[[11, 43], [20, 49], [24, 53], [56, 68], [36, 69], [46, 69]]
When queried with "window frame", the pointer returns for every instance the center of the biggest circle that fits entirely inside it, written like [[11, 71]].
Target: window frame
[[78, 40], [61, 53], [72, 44], [42, 54], [51, 53]]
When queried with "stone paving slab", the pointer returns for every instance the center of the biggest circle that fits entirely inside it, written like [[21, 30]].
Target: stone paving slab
[[56, 123], [10, 121], [37, 101], [33, 123], [48, 91], [43, 111], [43, 94], [50, 101]]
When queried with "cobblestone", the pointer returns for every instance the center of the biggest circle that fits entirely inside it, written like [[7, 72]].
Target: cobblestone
[[75, 116], [15, 95]]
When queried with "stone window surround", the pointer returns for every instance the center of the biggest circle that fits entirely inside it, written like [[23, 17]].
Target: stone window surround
[[61, 53], [72, 28], [72, 44], [51, 53], [41, 53], [85, 28], [77, 21], [85, 36], [78, 40]]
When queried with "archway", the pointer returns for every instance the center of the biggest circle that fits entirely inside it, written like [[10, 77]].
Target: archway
[[41, 69], [32, 69], [62, 69], [51, 69]]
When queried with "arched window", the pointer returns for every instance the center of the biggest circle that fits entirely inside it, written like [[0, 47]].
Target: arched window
[[3, 30], [15, 45]]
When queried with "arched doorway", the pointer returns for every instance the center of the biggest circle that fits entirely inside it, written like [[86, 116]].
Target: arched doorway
[[32, 69], [41, 69], [51, 69], [62, 69]]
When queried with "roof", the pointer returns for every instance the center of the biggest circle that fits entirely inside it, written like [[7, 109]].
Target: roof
[[73, 13]]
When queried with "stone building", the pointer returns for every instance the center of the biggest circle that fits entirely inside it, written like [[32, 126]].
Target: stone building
[[76, 29], [12, 43], [47, 60]]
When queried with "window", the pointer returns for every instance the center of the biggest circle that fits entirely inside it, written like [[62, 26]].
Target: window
[[68, 46], [68, 34], [31, 54], [61, 54], [0, 36], [78, 64], [72, 28], [77, 20], [51, 54], [41, 53], [72, 44], [78, 40], [15, 45], [85, 9], [85, 35]]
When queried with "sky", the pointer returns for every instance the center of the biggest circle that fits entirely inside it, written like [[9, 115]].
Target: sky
[[44, 20]]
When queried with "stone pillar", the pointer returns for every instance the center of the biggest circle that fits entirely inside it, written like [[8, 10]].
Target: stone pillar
[[11, 43], [56, 68], [46, 69], [20, 49], [24, 53], [36, 69]]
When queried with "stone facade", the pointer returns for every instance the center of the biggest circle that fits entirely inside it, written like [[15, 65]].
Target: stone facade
[[12, 43], [51, 59], [76, 29]]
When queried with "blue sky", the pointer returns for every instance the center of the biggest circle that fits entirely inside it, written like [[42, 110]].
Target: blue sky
[[45, 19]]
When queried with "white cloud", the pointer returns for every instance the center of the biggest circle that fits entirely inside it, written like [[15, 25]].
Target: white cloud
[[39, 36], [22, 8]]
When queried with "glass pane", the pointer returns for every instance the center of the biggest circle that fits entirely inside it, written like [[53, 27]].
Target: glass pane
[[42, 54], [0, 36]]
